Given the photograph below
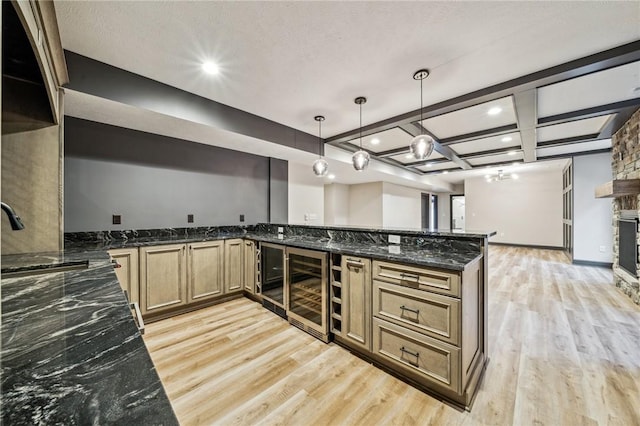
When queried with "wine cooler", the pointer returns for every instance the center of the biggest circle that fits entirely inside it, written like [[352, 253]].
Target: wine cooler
[[307, 291], [272, 271]]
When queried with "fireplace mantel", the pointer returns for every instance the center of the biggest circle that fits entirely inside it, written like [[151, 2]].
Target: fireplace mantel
[[618, 188]]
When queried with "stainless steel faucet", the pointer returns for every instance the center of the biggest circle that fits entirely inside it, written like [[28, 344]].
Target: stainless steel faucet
[[14, 219]]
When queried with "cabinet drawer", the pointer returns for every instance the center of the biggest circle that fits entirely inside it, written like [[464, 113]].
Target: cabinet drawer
[[438, 281], [425, 359], [425, 312]]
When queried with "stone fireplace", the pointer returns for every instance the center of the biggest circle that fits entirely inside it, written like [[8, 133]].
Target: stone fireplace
[[626, 165]]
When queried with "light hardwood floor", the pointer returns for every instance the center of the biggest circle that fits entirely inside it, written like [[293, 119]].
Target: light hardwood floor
[[564, 350]]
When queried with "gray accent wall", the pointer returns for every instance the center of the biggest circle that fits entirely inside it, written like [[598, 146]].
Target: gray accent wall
[[278, 191], [155, 181]]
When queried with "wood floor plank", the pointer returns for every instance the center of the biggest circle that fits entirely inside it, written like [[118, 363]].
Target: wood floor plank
[[564, 348]]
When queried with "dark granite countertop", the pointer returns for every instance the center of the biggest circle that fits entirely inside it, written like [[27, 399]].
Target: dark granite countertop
[[446, 257], [471, 233], [454, 255], [71, 351]]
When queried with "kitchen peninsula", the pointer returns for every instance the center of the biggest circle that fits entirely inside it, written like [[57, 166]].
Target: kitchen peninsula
[[417, 308]]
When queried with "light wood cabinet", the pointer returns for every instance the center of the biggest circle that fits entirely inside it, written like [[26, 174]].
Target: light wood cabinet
[[163, 277], [206, 270], [356, 301], [249, 261], [127, 271], [233, 265]]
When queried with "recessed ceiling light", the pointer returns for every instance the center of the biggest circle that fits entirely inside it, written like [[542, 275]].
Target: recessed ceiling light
[[513, 175], [515, 164], [331, 176], [210, 68], [494, 111], [507, 139], [445, 172], [375, 141], [429, 164], [487, 176], [408, 156], [511, 153]]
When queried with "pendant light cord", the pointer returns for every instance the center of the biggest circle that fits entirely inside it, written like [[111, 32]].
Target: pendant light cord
[[421, 102], [319, 138], [361, 127]]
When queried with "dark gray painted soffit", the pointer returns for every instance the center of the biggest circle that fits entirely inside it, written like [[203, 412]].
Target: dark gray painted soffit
[[96, 78]]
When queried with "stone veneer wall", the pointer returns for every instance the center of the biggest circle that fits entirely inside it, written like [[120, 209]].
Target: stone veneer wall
[[625, 164]]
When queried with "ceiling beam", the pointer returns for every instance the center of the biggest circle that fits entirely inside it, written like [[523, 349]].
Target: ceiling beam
[[496, 131], [527, 113], [490, 152], [575, 154], [585, 113], [568, 141], [610, 58], [415, 129]]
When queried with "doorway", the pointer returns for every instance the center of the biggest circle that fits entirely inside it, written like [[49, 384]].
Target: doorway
[[457, 212], [429, 207]]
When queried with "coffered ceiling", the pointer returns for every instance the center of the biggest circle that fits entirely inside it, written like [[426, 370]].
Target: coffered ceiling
[[562, 73]]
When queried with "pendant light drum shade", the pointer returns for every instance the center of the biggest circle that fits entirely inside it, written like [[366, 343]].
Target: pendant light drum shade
[[320, 166], [360, 159]]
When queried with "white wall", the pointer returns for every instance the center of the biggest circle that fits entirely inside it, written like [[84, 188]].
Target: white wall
[[365, 204], [336, 204], [306, 195], [401, 206], [524, 211], [444, 211], [592, 217]]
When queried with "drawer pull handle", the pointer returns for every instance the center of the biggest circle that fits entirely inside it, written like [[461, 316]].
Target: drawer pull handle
[[354, 262], [407, 351], [409, 276], [415, 311]]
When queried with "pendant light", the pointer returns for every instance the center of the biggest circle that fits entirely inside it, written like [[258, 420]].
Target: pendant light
[[422, 145], [320, 166], [360, 159]]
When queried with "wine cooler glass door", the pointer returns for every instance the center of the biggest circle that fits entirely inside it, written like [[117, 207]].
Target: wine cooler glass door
[[272, 266], [307, 282]]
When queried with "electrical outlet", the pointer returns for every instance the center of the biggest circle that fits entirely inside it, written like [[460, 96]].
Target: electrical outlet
[[280, 229], [189, 218], [603, 249], [394, 239], [116, 219], [241, 218]]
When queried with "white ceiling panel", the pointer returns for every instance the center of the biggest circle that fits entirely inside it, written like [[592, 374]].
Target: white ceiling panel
[[600, 88], [574, 148], [511, 140], [384, 141], [438, 166], [473, 119], [498, 158], [409, 158], [571, 129]]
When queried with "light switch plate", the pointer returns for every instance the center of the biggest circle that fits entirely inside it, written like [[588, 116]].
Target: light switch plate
[[280, 229]]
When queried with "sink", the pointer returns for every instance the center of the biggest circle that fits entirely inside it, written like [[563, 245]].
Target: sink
[[48, 268]]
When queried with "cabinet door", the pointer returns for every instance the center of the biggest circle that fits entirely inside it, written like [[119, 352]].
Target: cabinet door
[[163, 277], [127, 271], [206, 270], [356, 301], [249, 277], [233, 265]]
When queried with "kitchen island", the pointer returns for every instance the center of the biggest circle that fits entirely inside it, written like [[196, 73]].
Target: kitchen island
[[71, 349]]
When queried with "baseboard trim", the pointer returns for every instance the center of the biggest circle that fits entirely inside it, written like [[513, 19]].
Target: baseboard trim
[[526, 246], [607, 265]]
